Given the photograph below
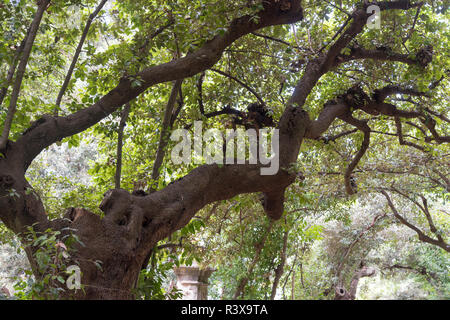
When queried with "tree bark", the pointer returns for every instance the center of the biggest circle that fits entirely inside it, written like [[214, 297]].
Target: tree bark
[[165, 132], [77, 55], [343, 294]]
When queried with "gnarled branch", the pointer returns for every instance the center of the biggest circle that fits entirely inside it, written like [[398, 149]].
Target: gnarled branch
[[42, 6], [422, 236]]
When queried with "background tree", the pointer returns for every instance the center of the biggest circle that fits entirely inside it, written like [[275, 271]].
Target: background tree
[[344, 97]]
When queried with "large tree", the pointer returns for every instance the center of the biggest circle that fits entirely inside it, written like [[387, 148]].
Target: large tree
[[394, 77]]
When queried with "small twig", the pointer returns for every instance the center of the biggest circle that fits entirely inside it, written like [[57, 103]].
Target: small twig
[[241, 83], [77, 55], [337, 33]]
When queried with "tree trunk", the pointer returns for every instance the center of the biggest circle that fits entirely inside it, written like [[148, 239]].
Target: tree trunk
[[132, 224], [343, 294]]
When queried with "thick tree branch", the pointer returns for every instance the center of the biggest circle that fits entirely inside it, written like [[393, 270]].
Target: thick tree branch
[[355, 98], [358, 53], [336, 108], [225, 110], [381, 94], [331, 111]]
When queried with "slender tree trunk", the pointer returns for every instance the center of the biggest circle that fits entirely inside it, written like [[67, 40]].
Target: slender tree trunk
[[12, 69], [42, 6], [280, 268], [301, 275], [293, 285]]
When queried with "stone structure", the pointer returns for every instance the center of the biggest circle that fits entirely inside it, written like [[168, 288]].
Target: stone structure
[[193, 282]]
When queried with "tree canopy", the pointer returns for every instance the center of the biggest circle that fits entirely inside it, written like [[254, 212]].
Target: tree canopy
[[91, 91]]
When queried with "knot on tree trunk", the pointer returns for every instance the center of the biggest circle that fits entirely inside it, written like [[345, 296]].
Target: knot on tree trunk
[[116, 204], [120, 209], [274, 12], [6, 181]]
